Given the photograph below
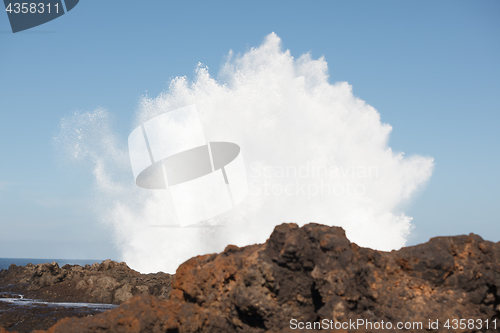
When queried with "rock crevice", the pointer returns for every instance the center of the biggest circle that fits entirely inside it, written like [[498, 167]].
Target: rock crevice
[[313, 273]]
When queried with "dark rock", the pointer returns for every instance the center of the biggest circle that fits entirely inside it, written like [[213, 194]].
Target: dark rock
[[311, 274], [314, 273], [25, 318], [109, 282]]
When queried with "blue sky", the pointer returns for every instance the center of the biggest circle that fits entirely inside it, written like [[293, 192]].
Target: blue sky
[[430, 68]]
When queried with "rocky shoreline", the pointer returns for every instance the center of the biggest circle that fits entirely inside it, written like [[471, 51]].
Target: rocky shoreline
[[300, 276], [107, 283]]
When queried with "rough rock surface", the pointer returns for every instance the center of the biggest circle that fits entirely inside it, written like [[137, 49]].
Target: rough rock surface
[[109, 282], [314, 273]]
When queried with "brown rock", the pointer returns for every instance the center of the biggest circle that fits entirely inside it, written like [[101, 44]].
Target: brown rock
[[108, 282], [46, 275], [315, 273]]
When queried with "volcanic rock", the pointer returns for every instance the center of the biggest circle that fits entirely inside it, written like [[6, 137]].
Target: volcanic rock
[[314, 274], [109, 282]]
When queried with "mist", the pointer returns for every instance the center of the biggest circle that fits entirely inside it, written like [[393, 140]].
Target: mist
[[313, 152]]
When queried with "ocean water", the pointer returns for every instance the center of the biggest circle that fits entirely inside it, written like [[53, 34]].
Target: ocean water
[[26, 302], [6, 262]]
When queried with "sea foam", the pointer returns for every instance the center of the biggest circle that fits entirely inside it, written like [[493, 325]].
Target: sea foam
[[313, 153]]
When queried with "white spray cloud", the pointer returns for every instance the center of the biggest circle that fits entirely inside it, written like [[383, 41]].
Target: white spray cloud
[[313, 152]]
